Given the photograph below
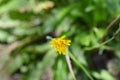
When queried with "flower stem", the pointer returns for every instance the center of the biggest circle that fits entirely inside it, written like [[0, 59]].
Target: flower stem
[[81, 66], [69, 65]]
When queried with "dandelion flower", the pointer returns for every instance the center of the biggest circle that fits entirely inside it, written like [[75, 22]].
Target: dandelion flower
[[60, 44]]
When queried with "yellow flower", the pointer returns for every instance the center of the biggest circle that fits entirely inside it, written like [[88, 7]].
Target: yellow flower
[[60, 44]]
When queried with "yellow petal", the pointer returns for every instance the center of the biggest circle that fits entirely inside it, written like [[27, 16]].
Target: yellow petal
[[60, 44]]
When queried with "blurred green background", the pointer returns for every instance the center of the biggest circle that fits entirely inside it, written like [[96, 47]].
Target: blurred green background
[[25, 28]]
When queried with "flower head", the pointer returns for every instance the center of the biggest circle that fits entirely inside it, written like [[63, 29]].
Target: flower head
[[60, 44]]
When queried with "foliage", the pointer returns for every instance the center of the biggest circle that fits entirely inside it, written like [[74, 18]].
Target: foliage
[[25, 28]]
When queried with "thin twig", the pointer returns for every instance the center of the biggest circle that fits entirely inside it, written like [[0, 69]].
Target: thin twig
[[110, 25], [114, 35], [107, 41]]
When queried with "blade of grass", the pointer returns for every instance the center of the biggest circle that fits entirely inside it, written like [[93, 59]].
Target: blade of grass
[[80, 65]]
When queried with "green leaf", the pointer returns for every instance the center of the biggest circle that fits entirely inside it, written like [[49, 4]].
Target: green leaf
[[12, 5], [60, 70], [83, 38], [53, 22], [103, 75], [106, 75], [79, 54], [3, 36], [99, 32], [6, 37], [15, 64], [42, 66]]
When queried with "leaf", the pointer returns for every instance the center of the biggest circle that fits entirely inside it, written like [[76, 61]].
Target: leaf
[[3, 36], [83, 38], [79, 54], [12, 5], [60, 70], [42, 66], [106, 75], [15, 64], [6, 37], [99, 32], [53, 22], [103, 75]]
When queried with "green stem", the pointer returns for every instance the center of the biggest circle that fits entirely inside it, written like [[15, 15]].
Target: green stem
[[80, 65], [110, 25], [105, 42], [70, 66]]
